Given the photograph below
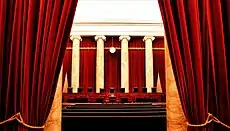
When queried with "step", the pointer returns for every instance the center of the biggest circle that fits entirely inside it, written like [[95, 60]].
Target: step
[[105, 106], [111, 110], [140, 113], [123, 117], [114, 104]]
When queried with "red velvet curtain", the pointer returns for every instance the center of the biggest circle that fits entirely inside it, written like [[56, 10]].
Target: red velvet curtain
[[88, 64], [33, 37], [112, 64], [198, 35], [159, 63], [67, 64], [136, 64]]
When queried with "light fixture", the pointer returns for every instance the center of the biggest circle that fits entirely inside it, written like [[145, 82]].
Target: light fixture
[[112, 49]]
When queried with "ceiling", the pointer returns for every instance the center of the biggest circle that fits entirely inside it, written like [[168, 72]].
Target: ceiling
[[143, 11], [118, 17]]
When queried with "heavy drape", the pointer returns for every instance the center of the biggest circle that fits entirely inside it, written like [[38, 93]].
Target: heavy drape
[[159, 63], [136, 64], [67, 64], [198, 35], [88, 64], [112, 64], [33, 37]]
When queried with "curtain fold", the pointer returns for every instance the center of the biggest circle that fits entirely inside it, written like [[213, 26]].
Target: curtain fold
[[219, 32], [33, 37], [112, 64], [88, 64], [136, 64], [159, 63], [198, 35], [67, 64]]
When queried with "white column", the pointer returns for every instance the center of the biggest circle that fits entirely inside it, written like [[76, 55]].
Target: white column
[[100, 63], [125, 62], [149, 63], [75, 62]]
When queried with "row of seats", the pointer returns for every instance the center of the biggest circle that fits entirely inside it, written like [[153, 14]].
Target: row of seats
[[112, 100], [112, 90], [113, 105]]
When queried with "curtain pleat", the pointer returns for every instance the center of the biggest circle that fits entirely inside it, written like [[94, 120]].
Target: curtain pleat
[[67, 64], [33, 37], [136, 64], [198, 35], [159, 63], [112, 64], [88, 64]]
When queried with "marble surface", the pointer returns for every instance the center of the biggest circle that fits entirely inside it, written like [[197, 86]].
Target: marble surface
[[53, 122], [125, 62], [75, 63], [100, 63], [149, 63], [176, 120]]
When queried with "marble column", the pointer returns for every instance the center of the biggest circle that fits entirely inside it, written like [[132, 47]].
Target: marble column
[[149, 63], [75, 62], [53, 122], [176, 120], [100, 63], [125, 62]]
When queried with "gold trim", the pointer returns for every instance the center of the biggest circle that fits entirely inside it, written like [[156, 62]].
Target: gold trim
[[117, 48]]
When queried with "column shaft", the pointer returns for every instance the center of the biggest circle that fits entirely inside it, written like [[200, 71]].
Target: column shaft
[[125, 62], [149, 79], [100, 63], [75, 63]]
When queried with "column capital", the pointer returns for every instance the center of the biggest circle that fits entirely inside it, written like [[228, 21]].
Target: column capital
[[72, 37], [124, 37], [149, 37], [97, 37]]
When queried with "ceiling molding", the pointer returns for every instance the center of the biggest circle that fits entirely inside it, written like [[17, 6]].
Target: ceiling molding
[[117, 28]]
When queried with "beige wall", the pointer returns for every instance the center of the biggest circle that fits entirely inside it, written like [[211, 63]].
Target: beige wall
[[53, 122], [176, 120]]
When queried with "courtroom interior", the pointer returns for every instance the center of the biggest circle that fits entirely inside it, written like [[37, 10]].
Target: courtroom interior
[[115, 73], [69, 65]]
